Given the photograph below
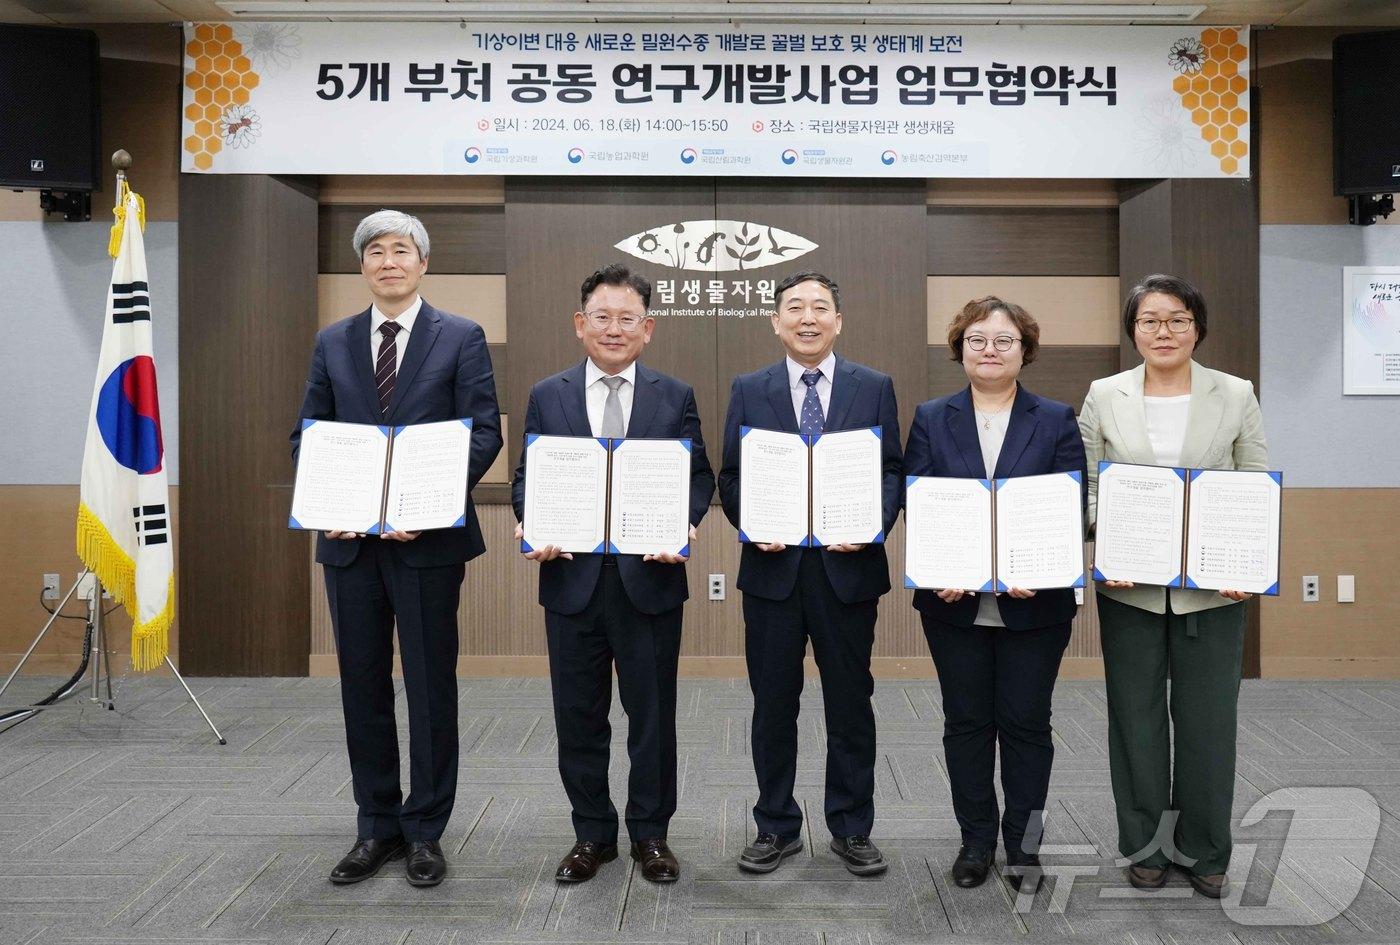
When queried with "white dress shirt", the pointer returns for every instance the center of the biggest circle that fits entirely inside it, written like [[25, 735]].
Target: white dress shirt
[[1166, 426], [596, 394], [799, 389], [405, 320]]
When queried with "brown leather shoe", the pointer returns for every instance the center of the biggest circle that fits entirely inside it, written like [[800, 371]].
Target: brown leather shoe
[[1147, 877], [1213, 886], [583, 861], [657, 861]]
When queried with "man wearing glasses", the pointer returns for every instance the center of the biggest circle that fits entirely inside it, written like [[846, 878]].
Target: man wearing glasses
[[623, 610]]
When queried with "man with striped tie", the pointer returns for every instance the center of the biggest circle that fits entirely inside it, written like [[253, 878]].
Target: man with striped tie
[[828, 595], [400, 361]]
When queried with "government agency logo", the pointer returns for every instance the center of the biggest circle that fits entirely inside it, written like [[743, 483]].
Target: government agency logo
[[888, 158], [716, 245], [789, 156], [575, 155], [688, 156], [473, 155]]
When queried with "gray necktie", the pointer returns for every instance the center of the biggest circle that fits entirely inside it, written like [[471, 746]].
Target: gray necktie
[[612, 408]]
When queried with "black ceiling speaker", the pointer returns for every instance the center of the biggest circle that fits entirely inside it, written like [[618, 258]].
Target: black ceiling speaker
[[1366, 121], [49, 132]]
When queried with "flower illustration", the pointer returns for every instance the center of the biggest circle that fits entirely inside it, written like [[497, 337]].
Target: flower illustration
[[241, 126], [1166, 137], [273, 46], [1187, 55]]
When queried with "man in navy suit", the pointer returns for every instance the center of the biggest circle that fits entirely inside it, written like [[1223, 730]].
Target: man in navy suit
[[605, 609], [400, 361], [829, 594]]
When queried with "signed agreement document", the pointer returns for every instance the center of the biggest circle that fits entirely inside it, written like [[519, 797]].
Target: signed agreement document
[[811, 490], [619, 496], [358, 477], [1209, 529], [992, 535]]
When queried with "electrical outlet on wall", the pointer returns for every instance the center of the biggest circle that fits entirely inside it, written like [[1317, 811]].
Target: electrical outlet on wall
[[50, 587], [1310, 588]]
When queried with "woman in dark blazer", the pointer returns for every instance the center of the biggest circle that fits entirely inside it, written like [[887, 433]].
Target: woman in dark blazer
[[997, 655]]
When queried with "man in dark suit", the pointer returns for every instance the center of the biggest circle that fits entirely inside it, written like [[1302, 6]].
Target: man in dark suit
[[400, 361], [827, 594], [601, 609]]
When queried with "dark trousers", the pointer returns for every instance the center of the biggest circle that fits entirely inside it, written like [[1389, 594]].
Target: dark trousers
[[997, 685], [367, 597], [1203, 654], [582, 650], [775, 641]]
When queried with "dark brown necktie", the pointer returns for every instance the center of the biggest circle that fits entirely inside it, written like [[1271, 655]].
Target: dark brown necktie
[[386, 364]]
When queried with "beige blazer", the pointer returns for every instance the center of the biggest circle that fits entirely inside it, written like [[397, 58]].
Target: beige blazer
[[1224, 430]]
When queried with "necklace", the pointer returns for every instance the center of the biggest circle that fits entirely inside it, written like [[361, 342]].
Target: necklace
[[987, 416]]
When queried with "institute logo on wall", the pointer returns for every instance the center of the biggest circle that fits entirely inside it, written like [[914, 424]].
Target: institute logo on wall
[[716, 245], [224, 64]]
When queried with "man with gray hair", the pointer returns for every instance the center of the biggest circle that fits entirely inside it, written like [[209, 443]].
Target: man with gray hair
[[400, 361]]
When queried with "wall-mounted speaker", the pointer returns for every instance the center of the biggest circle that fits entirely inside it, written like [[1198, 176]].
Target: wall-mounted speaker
[[48, 108], [1365, 116]]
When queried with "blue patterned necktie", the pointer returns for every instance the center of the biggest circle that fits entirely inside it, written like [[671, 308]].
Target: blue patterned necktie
[[810, 423]]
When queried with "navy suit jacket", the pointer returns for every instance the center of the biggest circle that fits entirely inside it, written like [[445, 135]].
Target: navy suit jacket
[[445, 375], [1042, 437], [663, 408], [860, 397]]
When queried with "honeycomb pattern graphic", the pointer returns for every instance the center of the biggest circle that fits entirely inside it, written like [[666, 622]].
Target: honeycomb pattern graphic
[[222, 77], [1212, 88]]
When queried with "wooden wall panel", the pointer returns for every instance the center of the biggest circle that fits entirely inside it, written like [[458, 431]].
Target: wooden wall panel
[[245, 338], [480, 298], [1329, 532], [1071, 310], [1003, 192], [141, 113], [38, 538], [375, 191], [869, 240], [1022, 241], [558, 230], [1061, 373], [461, 239]]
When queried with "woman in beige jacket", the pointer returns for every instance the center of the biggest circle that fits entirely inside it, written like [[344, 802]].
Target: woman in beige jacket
[[1171, 411]]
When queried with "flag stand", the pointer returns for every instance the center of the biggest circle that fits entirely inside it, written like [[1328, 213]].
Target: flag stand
[[95, 640], [101, 668]]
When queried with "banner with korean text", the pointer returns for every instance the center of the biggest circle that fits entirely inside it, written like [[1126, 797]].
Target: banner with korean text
[[983, 101]]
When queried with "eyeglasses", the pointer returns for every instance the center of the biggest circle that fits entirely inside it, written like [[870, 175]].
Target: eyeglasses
[[627, 321], [1000, 342], [1177, 326]]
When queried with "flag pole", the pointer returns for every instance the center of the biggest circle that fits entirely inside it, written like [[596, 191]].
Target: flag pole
[[121, 161]]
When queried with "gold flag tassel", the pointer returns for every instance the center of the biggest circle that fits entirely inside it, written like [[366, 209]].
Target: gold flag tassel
[[150, 641], [114, 244]]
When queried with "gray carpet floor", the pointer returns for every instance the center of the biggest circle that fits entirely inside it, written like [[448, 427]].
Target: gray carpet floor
[[134, 826]]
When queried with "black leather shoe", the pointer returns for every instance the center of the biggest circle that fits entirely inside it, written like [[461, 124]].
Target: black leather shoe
[[426, 866], [583, 860], [971, 867], [767, 853], [365, 858], [1024, 872], [657, 861], [862, 857]]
